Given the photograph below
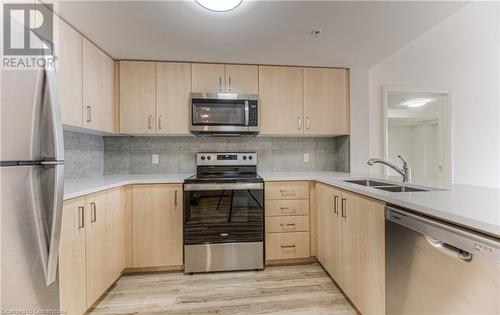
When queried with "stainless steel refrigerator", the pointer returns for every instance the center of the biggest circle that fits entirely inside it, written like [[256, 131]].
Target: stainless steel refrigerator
[[31, 179]]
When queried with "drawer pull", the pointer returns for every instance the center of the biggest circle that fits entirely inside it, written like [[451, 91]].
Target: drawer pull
[[287, 226], [283, 247], [287, 210], [285, 192]]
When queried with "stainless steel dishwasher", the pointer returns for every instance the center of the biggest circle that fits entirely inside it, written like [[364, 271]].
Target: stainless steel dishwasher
[[437, 268]]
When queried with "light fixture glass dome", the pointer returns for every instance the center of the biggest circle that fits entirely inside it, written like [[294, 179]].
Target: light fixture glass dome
[[219, 5]]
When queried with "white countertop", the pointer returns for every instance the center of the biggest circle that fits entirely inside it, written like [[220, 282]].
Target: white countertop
[[474, 207]]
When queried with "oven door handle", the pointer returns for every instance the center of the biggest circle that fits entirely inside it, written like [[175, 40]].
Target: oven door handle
[[223, 186]]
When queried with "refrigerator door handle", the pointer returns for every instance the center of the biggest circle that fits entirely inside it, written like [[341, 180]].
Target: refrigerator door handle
[[55, 232], [55, 114]]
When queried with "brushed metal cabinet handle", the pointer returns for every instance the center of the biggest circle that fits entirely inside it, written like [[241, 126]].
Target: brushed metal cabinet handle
[[220, 83], [299, 123], [175, 198], [81, 217], [159, 122], [93, 212], [336, 205], [229, 84], [287, 246], [89, 113], [150, 122], [287, 192], [344, 208], [308, 122]]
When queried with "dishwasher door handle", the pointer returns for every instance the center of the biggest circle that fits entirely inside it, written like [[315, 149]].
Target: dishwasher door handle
[[449, 249]]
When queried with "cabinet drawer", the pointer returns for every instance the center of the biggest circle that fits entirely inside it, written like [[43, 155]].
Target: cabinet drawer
[[287, 245], [287, 190], [298, 223], [287, 207]]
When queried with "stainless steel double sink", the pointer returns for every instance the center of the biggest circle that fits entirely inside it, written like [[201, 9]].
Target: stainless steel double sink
[[386, 186]]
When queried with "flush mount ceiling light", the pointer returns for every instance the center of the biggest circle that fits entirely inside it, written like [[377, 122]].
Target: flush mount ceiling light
[[219, 5], [417, 102]]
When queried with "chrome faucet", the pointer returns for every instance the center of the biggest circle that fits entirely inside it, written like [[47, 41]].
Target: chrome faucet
[[405, 172]]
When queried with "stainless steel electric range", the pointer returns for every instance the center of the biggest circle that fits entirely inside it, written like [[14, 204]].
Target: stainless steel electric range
[[224, 214]]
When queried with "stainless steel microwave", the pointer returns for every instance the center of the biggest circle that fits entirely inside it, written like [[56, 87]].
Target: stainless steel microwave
[[225, 114]]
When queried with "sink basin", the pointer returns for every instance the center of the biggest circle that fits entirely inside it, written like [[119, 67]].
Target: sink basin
[[367, 182], [399, 188]]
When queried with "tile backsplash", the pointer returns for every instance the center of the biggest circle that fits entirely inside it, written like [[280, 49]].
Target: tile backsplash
[[84, 155], [133, 155], [91, 155]]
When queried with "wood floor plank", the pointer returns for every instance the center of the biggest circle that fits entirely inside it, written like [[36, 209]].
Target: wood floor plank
[[283, 290]]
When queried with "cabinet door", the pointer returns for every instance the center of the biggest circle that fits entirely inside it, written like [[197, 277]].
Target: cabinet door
[[242, 79], [363, 255], [137, 97], [281, 96], [173, 85], [326, 108], [95, 222], [98, 85], [208, 78], [324, 205], [157, 225], [115, 235], [72, 273], [69, 73]]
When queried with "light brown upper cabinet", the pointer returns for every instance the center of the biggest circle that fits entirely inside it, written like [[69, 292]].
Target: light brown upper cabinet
[[213, 78], [326, 108], [242, 79], [207, 77], [98, 84], [69, 73], [137, 97], [281, 100], [173, 85]]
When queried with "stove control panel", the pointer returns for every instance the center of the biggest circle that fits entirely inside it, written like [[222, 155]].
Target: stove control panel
[[226, 158]]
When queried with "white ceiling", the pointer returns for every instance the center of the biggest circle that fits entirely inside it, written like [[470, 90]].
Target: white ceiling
[[354, 34]]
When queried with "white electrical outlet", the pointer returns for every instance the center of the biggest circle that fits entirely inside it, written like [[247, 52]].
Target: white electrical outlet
[[306, 157], [155, 159]]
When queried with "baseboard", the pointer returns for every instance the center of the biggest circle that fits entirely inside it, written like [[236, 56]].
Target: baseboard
[[152, 269], [294, 261]]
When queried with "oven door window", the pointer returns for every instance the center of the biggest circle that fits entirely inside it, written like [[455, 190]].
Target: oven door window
[[220, 113], [223, 216]]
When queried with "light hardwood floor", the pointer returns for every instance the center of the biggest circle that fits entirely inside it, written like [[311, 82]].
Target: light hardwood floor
[[301, 289]]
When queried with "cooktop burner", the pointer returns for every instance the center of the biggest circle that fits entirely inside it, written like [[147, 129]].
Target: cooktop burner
[[225, 167]]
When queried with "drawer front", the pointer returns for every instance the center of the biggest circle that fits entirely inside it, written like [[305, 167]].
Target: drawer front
[[287, 207], [287, 245], [298, 223], [287, 190]]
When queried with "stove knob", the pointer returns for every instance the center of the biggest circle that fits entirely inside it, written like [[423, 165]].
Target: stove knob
[[209, 157], [250, 157], [244, 157], [203, 157]]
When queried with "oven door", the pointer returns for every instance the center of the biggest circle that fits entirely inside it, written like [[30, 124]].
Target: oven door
[[223, 213], [219, 115]]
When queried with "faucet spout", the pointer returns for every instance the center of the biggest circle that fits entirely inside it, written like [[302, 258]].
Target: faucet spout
[[405, 171]]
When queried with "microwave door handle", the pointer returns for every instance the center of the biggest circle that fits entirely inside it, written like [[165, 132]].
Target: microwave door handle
[[247, 114]]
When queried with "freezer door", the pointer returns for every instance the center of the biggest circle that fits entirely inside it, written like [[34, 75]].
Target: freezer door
[[31, 204], [21, 115]]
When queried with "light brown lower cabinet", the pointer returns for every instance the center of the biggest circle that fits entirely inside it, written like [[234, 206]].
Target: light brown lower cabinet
[[72, 267], [351, 245], [157, 225], [92, 248]]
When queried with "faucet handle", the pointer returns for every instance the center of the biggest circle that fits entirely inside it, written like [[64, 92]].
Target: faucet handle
[[405, 162]]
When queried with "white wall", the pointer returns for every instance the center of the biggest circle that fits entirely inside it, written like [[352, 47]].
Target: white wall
[[359, 139], [460, 54]]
